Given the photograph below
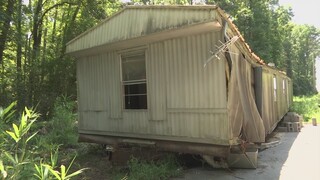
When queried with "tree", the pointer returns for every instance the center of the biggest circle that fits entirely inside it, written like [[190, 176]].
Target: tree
[[33, 43], [5, 27], [33, 37], [305, 49]]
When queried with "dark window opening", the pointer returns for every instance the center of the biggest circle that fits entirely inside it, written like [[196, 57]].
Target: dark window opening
[[134, 81]]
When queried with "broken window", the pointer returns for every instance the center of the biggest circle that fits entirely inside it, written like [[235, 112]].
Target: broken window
[[134, 81]]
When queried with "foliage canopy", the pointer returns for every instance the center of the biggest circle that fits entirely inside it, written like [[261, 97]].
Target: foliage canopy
[[34, 70]]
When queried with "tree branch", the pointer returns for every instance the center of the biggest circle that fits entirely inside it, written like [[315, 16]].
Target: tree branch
[[52, 7]]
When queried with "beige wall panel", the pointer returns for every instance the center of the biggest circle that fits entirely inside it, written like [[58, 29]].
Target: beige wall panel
[[134, 122], [273, 111], [189, 83], [177, 82], [200, 125], [267, 99], [114, 84], [91, 120], [156, 81], [92, 84]]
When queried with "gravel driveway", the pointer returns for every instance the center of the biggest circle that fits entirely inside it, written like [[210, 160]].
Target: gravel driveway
[[296, 157]]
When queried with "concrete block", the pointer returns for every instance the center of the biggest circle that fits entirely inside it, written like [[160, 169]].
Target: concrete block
[[286, 118], [290, 127], [295, 118], [291, 114], [296, 127]]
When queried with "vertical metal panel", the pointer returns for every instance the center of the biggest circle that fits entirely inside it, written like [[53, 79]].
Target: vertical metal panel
[[95, 94], [199, 125], [156, 81], [114, 84], [267, 105], [190, 85], [92, 78], [273, 111], [134, 122]]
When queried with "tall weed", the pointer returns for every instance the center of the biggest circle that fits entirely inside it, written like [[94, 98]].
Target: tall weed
[[62, 127], [21, 159]]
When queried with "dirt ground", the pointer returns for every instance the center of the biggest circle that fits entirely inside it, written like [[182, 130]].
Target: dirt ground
[[297, 156]]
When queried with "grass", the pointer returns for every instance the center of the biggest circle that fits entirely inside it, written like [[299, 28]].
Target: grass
[[149, 170], [308, 106]]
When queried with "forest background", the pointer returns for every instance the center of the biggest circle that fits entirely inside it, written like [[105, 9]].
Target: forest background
[[34, 69]]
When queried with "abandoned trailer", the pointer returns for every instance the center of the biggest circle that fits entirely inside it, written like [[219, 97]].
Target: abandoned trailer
[[177, 78]]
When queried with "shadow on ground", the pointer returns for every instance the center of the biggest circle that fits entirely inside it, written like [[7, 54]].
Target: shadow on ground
[[270, 164]]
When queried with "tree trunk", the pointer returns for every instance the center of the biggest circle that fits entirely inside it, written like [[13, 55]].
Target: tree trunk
[[5, 28], [36, 38], [19, 40]]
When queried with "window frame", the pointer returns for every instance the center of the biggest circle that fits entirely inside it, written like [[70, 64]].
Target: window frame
[[124, 83], [275, 88], [284, 86]]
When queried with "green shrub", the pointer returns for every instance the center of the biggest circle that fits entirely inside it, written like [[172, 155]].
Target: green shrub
[[20, 159], [308, 106], [62, 126]]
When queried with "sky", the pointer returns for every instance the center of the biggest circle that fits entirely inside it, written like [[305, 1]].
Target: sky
[[306, 12]]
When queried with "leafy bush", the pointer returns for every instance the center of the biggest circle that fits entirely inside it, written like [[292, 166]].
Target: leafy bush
[[153, 170], [20, 159], [308, 106], [62, 127]]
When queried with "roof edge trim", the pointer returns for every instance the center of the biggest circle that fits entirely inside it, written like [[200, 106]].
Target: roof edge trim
[[214, 7]]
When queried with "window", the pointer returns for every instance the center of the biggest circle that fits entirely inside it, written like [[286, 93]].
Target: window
[[284, 87], [134, 81], [275, 88]]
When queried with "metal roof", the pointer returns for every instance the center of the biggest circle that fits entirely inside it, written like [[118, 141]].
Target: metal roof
[[138, 25]]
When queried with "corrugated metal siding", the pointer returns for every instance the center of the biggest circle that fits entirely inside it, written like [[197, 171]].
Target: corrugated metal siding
[[273, 110], [201, 125], [156, 80], [194, 93], [184, 98], [190, 85], [95, 74], [132, 23], [92, 77], [267, 100], [114, 90]]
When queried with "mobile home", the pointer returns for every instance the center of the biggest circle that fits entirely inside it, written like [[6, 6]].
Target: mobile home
[[179, 78]]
